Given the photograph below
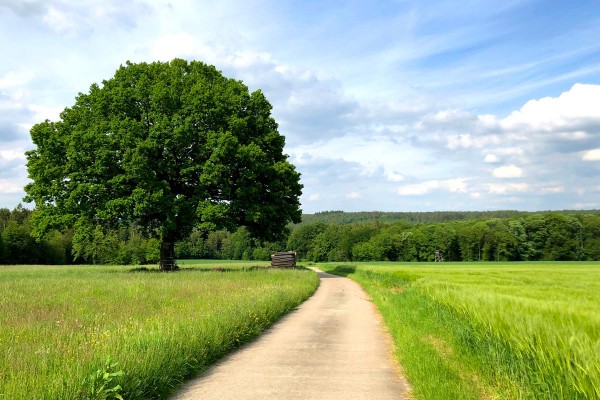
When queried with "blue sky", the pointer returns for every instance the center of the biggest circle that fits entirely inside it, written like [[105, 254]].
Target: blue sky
[[385, 105]]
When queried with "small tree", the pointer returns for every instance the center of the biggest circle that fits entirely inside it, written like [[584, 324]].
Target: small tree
[[169, 147]]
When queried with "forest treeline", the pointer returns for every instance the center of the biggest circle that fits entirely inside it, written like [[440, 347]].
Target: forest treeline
[[532, 237], [342, 217], [330, 236], [126, 245]]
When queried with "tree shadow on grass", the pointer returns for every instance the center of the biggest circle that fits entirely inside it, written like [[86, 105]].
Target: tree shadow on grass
[[215, 269], [143, 269], [343, 270]]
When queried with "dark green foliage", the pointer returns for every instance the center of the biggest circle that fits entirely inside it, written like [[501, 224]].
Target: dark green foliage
[[17, 246], [302, 237], [524, 237], [169, 147]]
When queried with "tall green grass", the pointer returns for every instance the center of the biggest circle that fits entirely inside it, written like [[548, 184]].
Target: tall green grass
[[58, 325], [492, 331]]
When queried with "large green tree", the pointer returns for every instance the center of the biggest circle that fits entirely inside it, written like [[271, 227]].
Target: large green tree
[[168, 147]]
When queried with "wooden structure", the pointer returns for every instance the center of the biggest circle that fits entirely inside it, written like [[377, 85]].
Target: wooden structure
[[438, 256], [284, 259]]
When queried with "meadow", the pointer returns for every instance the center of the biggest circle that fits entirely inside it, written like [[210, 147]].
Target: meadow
[[99, 332], [490, 330]]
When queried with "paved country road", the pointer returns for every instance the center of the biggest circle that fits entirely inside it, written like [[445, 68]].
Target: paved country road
[[331, 347]]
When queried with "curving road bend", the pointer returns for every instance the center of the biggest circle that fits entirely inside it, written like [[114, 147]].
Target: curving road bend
[[332, 347]]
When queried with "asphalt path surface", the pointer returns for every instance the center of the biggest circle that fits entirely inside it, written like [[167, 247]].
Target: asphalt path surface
[[332, 347]]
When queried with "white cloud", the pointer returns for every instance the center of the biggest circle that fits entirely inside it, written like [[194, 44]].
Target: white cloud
[[12, 155], [60, 20], [447, 116], [577, 135], [552, 189], [418, 189], [43, 112], [314, 197], [585, 206], [457, 185], [174, 45], [10, 186], [591, 155], [508, 171], [467, 141], [353, 195], [394, 176], [510, 151], [504, 188], [572, 108], [491, 159], [15, 79]]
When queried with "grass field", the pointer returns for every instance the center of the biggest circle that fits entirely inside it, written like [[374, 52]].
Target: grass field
[[490, 331], [58, 325]]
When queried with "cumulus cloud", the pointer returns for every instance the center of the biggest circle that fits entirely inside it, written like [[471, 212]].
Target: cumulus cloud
[[491, 159], [508, 171], [591, 155], [11, 155], [422, 188], [353, 195], [552, 189], [571, 110], [60, 20], [467, 141], [506, 188], [15, 79], [454, 143], [394, 176], [10, 186]]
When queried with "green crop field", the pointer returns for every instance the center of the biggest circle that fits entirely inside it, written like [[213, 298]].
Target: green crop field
[[60, 325], [490, 331]]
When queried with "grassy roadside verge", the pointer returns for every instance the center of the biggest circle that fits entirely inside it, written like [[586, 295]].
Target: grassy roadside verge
[[486, 331], [58, 325]]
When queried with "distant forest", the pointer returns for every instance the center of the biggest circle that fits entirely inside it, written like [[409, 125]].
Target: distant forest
[[331, 236], [459, 236], [342, 217]]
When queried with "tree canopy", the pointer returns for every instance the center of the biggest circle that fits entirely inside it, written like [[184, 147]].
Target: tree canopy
[[168, 147]]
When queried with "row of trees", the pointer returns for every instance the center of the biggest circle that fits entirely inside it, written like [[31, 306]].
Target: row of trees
[[125, 245], [342, 217], [550, 236], [91, 246], [17, 246]]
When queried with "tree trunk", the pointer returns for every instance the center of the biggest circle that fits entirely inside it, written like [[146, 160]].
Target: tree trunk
[[167, 255]]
